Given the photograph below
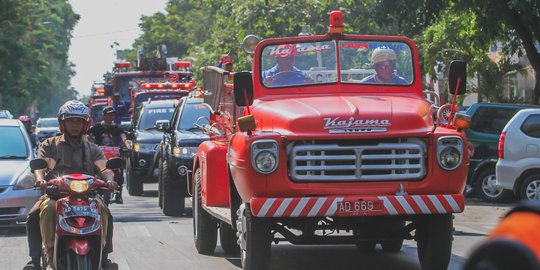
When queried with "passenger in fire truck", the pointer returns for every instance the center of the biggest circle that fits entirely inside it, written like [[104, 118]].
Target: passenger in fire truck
[[284, 72], [383, 60]]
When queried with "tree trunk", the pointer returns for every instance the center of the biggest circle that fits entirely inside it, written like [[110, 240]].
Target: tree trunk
[[536, 92]]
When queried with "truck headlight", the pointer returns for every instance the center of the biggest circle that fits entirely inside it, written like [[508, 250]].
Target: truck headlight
[[265, 156], [26, 180], [145, 147], [449, 152], [185, 151]]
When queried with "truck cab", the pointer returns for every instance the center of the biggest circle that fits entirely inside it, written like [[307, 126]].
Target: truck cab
[[329, 133]]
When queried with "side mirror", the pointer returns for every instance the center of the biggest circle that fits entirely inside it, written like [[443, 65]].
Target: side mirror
[[108, 90], [162, 125], [114, 163], [243, 89], [38, 164], [458, 71]]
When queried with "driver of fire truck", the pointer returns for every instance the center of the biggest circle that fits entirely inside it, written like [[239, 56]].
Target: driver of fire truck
[[107, 133], [284, 72], [383, 60], [66, 153]]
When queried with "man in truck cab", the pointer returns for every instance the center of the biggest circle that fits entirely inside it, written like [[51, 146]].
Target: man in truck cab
[[383, 60], [284, 72]]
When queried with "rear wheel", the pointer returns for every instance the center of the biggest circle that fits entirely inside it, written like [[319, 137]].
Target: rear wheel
[[434, 241], [228, 239], [204, 225], [172, 194], [530, 188], [255, 240], [486, 187], [134, 181]]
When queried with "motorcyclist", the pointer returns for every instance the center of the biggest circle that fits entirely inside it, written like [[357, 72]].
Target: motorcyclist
[[27, 122], [67, 153], [110, 134]]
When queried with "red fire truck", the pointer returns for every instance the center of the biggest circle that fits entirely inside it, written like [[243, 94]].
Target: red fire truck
[[317, 145]]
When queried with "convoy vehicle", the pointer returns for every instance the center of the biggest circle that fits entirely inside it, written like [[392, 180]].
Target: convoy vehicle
[[339, 160], [487, 123], [47, 127], [518, 167], [181, 138], [157, 91], [5, 114], [140, 167], [17, 195]]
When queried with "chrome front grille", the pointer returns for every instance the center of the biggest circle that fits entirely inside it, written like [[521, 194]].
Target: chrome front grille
[[400, 160]]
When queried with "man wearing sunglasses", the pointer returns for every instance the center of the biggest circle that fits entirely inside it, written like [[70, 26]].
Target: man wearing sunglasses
[[384, 62]]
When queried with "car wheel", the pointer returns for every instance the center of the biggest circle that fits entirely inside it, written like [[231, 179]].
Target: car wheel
[[172, 194], [530, 188], [487, 190], [134, 181]]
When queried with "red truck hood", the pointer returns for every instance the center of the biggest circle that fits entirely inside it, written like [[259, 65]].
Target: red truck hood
[[344, 115]]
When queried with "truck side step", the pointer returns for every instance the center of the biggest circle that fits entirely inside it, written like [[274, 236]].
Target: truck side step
[[221, 213]]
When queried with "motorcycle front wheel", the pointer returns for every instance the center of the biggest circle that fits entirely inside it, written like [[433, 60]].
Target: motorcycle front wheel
[[79, 262]]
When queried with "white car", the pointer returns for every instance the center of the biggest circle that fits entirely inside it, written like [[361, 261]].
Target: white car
[[518, 167], [47, 127]]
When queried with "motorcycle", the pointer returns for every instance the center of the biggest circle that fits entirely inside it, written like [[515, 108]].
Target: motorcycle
[[112, 152], [79, 230]]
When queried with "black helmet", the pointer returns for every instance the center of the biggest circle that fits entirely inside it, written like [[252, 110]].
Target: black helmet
[[108, 109]]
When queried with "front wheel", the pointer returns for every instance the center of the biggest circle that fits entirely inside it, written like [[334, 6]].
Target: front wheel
[[172, 194], [204, 225], [134, 181], [434, 240], [79, 262], [254, 238]]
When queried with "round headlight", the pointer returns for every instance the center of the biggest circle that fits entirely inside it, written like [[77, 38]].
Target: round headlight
[[265, 162], [449, 157]]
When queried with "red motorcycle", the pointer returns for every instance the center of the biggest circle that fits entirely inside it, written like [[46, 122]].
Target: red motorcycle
[[112, 152], [79, 240]]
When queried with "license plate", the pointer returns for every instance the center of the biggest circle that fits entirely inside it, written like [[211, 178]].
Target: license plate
[[359, 208]]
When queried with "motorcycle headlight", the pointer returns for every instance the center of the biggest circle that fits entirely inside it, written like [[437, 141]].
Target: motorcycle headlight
[[185, 151], [449, 152], [78, 186], [265, 156], [26, 180]]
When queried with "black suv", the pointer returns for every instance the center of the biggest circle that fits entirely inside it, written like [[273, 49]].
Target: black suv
[[175, 158], [488, 121], [140, 166]]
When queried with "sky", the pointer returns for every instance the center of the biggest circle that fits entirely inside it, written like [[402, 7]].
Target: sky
[[102, 23]]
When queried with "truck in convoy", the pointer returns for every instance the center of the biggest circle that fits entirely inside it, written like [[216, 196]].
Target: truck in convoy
[[310, 148], [127, 82]]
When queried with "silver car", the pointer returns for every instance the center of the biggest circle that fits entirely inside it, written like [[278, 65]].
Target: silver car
[[518, 167], [16, 180], [47, 127]]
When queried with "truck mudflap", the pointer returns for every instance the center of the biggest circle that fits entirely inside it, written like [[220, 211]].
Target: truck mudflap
[[343, 206]]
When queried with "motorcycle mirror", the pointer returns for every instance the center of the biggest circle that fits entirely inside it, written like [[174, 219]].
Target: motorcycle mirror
[[38, 164], [114, 163]]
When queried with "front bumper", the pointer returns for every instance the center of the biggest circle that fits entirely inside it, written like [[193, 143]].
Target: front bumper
[[343, 206], [15, 204]]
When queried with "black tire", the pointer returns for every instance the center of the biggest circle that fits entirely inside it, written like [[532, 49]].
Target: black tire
[[530, 187], [174, 203], [434, 241], [485, 187], [84, 262], [204, 225], [160, 184], [393, 245], [254, 234], [228, 239], [134, 181], [366, 246]]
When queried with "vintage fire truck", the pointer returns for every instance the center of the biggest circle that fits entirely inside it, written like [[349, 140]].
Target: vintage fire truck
[[318, 145]]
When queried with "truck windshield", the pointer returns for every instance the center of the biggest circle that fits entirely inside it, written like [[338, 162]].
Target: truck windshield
[[375, 62], [361, 62]]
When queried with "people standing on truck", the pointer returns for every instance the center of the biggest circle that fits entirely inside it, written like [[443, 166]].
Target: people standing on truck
[[284, 72], [383, 60], [225, 62], [120, 107], [66, 153], [107, 133]]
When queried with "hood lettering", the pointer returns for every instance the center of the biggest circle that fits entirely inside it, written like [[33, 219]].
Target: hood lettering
[[351, 122]]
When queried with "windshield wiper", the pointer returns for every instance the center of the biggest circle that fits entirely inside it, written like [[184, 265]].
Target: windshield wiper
[[193, 128], [150, 128], [12, 157]]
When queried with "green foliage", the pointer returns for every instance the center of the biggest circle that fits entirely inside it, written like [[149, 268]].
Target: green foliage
[[34, 43]]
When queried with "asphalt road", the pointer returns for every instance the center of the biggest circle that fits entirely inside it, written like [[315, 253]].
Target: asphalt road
[[146, 239]]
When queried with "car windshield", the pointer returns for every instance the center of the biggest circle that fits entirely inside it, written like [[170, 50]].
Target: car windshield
[[192, 113], [52, 122], [361, 62], [13, 143], [149, 116]]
